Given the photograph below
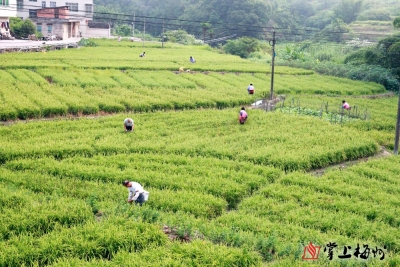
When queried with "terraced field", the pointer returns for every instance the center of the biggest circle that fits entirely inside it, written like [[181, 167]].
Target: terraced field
[[221, 193]]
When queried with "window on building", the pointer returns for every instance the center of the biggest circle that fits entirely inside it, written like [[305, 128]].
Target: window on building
[[3, 2], [20, 4], [32, 13], [89, 9], [32, 0], [43, 4], [72, 6], [39, 27], [53, 4], [49, 28]]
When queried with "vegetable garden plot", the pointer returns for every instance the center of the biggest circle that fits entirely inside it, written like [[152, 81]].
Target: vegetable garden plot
[[326, 221], [93, 240], [300, 229], [177, 254], [319, 84], [32, 64], [49, 104], [37, 214], [60, 77], [184, 132], [186, 174], [20, 75], [212, 90], [17, 104], [382, 212]]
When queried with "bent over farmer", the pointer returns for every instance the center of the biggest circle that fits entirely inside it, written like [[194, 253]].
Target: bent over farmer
[[136, 192], [129, 125], [242, 116]]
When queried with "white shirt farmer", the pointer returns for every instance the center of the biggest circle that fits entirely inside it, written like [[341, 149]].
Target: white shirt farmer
[[132, 190], [128, 122]]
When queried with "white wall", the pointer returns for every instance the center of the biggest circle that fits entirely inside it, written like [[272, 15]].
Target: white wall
[[8, 11], [95, 33]]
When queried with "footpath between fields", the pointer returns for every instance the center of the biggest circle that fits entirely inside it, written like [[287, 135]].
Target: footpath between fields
[[343, 165]]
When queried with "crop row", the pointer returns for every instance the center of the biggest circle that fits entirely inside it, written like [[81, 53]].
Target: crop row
[[82, 245], [199, 204], [310, 84], [164, 175], [199, 133], [23, 212], [222, 231], [380, 113], [27, 94], [306, 215], [196, 253], [126, 57], [93, 240], [383, 212], [287, 240]]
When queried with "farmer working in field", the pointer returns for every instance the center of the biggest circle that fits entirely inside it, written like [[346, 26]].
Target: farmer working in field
[[136, 192], [250, 89], [129, 125], [242, 116], [345, 105]]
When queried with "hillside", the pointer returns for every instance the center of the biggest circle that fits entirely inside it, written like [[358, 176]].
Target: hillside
[[248, 18], [372, 30]]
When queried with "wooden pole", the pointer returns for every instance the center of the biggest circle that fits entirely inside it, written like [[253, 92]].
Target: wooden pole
[[273, 66], [396, 139]]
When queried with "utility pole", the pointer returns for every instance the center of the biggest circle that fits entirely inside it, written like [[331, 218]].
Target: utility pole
[[396, 139], [273, 65]]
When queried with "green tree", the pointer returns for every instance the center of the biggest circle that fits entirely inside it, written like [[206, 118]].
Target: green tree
[[123, 30], [334, 32], [240, 17], [242, 47], [293, 52], [22, 28], [390, 48], [321, 19], [205, 26], [396, 23], [348, 10], [180, 36], [375, 14]]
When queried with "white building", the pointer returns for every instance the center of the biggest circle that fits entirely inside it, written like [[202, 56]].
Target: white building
[[64, 18], [8, 8]]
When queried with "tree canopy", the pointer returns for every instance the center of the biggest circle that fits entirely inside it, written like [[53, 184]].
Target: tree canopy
[[22, 28]]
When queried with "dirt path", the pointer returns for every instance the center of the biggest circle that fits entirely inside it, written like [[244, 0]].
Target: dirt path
[[346, 164]]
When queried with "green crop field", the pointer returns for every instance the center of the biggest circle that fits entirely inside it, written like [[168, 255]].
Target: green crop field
[[221, 193]]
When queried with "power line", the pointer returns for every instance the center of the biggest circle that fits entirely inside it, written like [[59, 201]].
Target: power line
[[243, 28]]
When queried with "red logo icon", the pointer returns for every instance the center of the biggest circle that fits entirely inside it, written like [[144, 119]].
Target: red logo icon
[[311, 252]]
